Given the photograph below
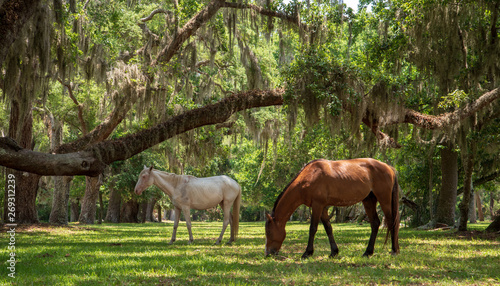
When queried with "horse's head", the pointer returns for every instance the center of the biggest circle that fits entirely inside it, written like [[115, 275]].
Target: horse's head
[[145, 180], [275, 235]]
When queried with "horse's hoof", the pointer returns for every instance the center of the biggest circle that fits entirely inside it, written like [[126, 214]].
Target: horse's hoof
[[333, 254], [171, 242], [229, 243], [217, 242], [306, 255], [190, 242], [367, 254]]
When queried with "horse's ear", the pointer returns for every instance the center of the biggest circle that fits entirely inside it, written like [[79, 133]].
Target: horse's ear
[[145, 167], [151, 168], [269, 217]]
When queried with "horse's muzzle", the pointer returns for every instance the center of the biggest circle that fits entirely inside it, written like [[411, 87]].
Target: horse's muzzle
[[271, 252]]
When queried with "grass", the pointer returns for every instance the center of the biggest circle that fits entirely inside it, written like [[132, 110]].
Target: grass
[[138, 254]]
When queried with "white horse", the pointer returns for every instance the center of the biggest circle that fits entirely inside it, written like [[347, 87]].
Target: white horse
[[189, 192]]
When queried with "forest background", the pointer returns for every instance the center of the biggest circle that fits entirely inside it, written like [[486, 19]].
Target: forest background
[[253, 90]]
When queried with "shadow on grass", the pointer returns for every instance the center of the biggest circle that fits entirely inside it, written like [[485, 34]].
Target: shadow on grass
[[119, 254]]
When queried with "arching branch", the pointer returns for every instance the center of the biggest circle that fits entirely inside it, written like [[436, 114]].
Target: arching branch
[[92, 160], [206, 14], [78, 105], [441, 121], [157, 11], [189, 28]]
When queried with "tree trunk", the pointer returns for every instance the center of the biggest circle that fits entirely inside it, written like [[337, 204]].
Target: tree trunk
[[60, 197], [59, 212], [479, 206], [88, 212], [472, 207], [464, 205], [149, 210], [431, 187], [143, 207], [492, 205], [494, 225], [101, 208], [14, 14], [447, 199], [75, 209], [26, 184], [114, 204], [159, 213], [129, 211]]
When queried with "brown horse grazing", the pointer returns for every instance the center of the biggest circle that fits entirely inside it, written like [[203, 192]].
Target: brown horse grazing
[[322, 183]]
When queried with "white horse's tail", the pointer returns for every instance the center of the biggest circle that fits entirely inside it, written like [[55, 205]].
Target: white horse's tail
[[235, 221]]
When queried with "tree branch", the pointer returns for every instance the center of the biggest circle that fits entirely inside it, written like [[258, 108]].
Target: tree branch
[[480, 181], [219, 112], [150, 17], [189, 28], [91, 162], [78, 105], [101, 131], [440, 121], [15, 157]]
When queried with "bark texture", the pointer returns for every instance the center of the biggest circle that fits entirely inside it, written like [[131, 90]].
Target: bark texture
[[114, 205], [26, 184], [467, 196], [494, 226], [129, 212], [75, 210], [13, 15], [448, 195], [59, 212], [88, 210]]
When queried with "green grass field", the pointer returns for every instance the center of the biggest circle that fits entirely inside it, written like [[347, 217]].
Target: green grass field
[[138, 254]]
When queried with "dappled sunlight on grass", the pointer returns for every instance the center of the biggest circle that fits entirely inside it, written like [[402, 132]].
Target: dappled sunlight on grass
[[131, 254]]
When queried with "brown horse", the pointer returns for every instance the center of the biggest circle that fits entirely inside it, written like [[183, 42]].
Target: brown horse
[[322, 183]]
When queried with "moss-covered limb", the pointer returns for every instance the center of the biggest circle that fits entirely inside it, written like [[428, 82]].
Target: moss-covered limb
[[94, 158], [92, 161], [189, 28], [443, 120], [128, 81], [15, 157], [219, 112], [382, 137]]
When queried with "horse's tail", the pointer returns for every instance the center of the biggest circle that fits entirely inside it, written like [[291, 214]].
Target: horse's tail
[[235, 221], [393, 226]]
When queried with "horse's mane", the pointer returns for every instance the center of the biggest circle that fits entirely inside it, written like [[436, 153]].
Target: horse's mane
[[284, 190], [168, 173]]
